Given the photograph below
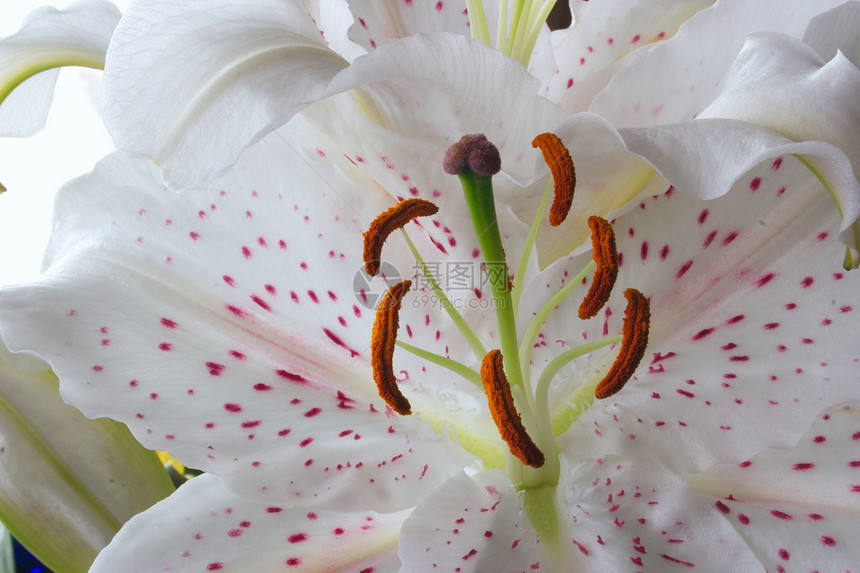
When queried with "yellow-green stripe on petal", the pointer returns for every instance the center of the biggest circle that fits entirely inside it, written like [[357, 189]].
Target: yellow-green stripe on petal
[[49, 39]]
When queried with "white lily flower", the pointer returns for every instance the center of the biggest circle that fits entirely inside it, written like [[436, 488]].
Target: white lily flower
[[48, 40], [223, 326], [67, 484]]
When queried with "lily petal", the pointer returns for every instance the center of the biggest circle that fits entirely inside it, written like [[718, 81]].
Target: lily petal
[[255, 64], [418, 85], [439, 87], [704, 158], [749, 307], [625, 516], [602, 34], [333, 18], [49, 39], [797, 507], [836, 30], [420, 95], [200, 341], [379, 22], [697, 68], [614, 516], [470, 524], [793, 92], [206, 527], [673, 149], [67, 483]]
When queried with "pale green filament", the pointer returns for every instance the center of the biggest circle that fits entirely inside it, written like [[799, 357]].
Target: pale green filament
[[520, 275], [516, 37], [524, 55], [502, 27], [444, 362], [514, 25], [548, 474], [531, 334], [478, 21], [469, 334], [559, 362]]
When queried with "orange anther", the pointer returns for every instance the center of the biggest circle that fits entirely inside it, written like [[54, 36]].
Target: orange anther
[[606, 258], [557, 158], [382, 347], [504, 412], [388, 222], [634, 340]]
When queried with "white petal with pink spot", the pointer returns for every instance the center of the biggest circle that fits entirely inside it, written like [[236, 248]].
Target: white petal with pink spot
[[798, 508], [750, 308], [205, 527], [230, 331]]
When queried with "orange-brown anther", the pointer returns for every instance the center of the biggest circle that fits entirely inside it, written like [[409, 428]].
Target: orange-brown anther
[[382, 348], [606, 258], [388, 222], [504, 412], [634, 340], [557, 158]]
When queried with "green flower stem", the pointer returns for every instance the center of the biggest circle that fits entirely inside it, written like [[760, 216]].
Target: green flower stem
[[478, 190], [520, 275], [537, 322], [444, 362], [471, 338]]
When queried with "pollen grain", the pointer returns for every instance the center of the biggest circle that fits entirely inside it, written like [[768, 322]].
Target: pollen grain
[[382, 348], [504, 412], [634, 340], [560, 164], [386, 223], [605, 256]]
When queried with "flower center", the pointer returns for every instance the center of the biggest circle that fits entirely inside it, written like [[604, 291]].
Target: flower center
[[520, 410]]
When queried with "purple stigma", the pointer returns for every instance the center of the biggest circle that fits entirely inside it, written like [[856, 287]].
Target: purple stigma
[[474, 152]]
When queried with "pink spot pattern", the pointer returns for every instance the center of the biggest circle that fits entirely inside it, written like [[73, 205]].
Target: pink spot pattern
[[216, 534], [286, 386]]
